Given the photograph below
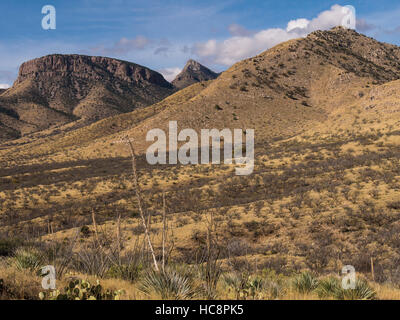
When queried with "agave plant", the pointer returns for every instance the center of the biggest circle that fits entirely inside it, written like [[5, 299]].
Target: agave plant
[[169, 284], [305, 282]]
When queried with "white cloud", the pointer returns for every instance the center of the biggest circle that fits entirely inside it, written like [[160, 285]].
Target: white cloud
[[299, 23], [4, 86], [241, 46], [238, 30], [170, 73], [123, 46]]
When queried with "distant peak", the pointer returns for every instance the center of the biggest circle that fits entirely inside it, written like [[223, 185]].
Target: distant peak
[[193, 65], [193, 72], [339, 30]]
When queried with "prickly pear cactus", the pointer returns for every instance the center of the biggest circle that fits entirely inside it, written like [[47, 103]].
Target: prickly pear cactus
[[81, 290]]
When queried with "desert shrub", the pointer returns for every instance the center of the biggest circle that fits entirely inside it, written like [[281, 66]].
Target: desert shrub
[[8, 247], [253, 287], [256, 285], [93, 260], [238, 283], [306, 282], [130, 272], [82, 290], [85, 231], [18, 285], [210, 272], [275, 285], [171, 284], [274, 290]]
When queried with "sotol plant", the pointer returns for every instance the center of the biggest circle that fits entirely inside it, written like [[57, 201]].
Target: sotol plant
[[305, 282], [332, 287], [169, 284], [362, 291], [27, 259], [328, 287]]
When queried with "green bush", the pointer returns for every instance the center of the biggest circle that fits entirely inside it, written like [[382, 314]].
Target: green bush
[[128, 272]]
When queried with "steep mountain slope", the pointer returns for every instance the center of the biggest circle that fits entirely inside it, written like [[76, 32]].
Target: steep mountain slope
[[287, 89], [193, 72], [57, 89]]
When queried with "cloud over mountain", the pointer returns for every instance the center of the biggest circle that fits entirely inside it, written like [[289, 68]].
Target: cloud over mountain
[[244, 44]]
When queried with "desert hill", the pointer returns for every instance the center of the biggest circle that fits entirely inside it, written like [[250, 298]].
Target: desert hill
[[57, 89], [193, 72], [288, 89]]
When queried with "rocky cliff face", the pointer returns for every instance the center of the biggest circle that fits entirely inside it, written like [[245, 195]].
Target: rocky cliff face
[[89, 68], [56, 89], [64, 80], [193, 72]]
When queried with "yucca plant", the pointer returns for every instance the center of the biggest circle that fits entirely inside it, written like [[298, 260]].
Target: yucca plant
[[328, 287], [306, 282], [362, 291], [169, 284], [28, 259]]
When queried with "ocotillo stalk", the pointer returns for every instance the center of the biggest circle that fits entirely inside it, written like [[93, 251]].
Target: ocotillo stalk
[[164, 233], [140, 203]]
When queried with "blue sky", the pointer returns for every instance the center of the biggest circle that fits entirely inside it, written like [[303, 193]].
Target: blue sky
[[163, 34]]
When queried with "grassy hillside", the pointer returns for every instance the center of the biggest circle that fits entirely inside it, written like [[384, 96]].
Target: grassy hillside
[[324, 192]]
